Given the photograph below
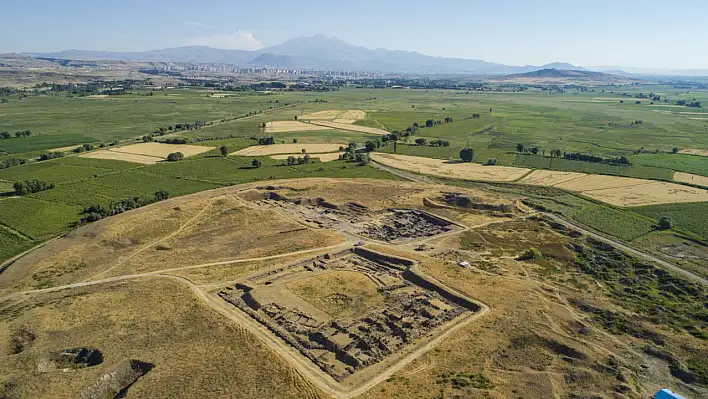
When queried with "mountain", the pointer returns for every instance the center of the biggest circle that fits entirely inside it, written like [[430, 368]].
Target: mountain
[[562, 76], [314, 52]]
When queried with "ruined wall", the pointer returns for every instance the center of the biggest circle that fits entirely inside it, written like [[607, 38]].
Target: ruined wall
[[431, 285]]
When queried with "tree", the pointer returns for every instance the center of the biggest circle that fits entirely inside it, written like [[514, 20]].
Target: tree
[[362, 158], [4, 135], [491, 161], [420, 141], [370, 146], [429, 123], [675, 150], [519, 148], [306, 159], [175, 156], [256, 163], [224, 150], [294, 141], [291, 160], [467, 154], [162, 195], [665, 223], [534, 150]]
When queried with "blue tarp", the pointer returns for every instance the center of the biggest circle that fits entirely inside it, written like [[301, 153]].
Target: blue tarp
[[667, 394]]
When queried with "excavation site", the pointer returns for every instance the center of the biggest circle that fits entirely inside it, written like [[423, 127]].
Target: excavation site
[[350, 310]]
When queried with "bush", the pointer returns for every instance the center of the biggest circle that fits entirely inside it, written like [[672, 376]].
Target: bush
[[52, 155], [10, 162], [175, 156], [363, 159], [531, 254], [665, 223], [467, 154], [32, 186], [224, 150], [420, 141], [257, 163], [491, 161], [162, 195]]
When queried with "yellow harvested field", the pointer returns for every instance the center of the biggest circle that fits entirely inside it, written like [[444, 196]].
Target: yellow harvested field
[[353, 128], [146, 153], [121, 156], [694, 151], [600, 182], [550, 177], [352, 114], [620, 191], [691, 178], [257, 150], [456, 170], [649, 194], [667, 105], [161, 150], [98, 96], [332, 156], [291, 126], [64, 149], [347, 121]]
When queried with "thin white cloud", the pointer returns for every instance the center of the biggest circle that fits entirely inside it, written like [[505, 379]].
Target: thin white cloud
[[240, 40], [200, 25]]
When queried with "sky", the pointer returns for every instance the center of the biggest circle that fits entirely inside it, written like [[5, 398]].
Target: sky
[[633, 33]]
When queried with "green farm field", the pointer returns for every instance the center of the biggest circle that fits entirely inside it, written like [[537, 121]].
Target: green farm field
[[571, 122]]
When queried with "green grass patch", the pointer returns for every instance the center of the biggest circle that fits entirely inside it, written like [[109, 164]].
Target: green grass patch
[[38, 219], [43, 142], [12, 244], [621, 224], [680, 162], [566, 165], [690, 216], [53, 172]]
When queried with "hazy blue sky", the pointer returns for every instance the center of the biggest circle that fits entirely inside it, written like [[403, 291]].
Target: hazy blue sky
[[646, 33]]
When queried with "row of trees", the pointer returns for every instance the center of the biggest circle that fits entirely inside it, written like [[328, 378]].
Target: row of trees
[[24, 133], [576, 156], [97, 212], [32, 186], [10, 162]]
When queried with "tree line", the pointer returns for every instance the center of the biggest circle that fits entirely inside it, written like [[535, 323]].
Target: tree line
[[97, 212], [23, 133]]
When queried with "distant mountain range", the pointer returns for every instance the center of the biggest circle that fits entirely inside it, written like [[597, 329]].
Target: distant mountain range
[[561, 76], [322, 52], [314, 52]]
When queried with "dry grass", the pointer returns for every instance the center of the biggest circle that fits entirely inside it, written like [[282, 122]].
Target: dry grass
[[147, 153], [649, 194], [340, 294], [342, 116], [457, 170], [333, 156], [350, 127], [691, 178], [162, 150], [620, 191], [291, 126], [694, 151], [197, 352], [258, 150], [120, 156]]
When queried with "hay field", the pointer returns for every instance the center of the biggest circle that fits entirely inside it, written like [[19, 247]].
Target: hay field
[[291, 126], [162, 150], [648, 194], [620, 191], [350, 127], [691, 178], [348, 115], [455, 170], [258, 150], [146, 153], [694, 151], [121, 156], [328, 157]]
